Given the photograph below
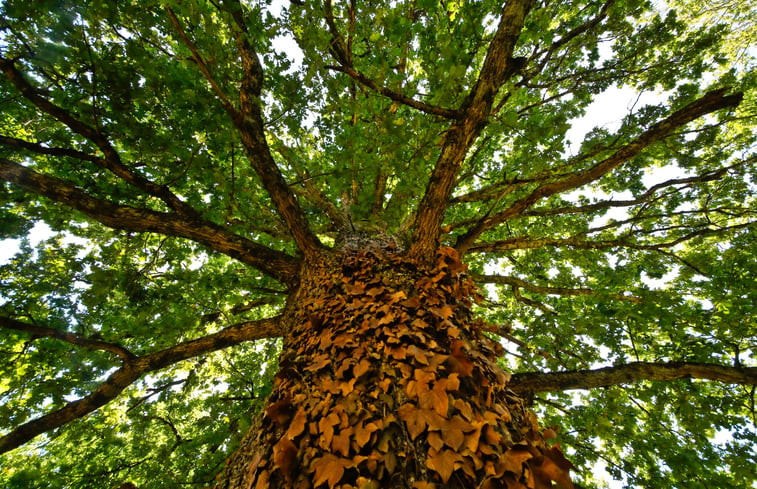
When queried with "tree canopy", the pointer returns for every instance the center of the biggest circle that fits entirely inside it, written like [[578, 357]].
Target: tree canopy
[[188, 156]]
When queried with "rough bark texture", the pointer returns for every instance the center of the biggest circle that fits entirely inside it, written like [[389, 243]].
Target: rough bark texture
[[386, 381]]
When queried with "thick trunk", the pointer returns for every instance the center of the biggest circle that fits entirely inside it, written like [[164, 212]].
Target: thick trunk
[[387, 381]]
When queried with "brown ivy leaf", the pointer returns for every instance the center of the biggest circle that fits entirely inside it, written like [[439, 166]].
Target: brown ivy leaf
[[285, 457], [444, 312], [375, 291], [347, 387], [398, 353], [263, 480], [341, 442], [457, 361], [513, 459], [555, 453], [397, 296], [281, 411], [546, 471], [434, 399], [361, 368], [298, 424], [390, 462], [435, 440], [443, 463], [419, 324], [354, 288], [421, 356], [423, 485], [453, 437], [365, 483], [319, 362], [471, 440], [363, 433], [464, 408], [413, 418], [329, 469], [326, 428]]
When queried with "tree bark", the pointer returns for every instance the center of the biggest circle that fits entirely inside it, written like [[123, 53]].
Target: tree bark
[[385, 380]]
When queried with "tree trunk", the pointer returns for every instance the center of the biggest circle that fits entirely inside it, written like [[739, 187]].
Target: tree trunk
[[387, 381]]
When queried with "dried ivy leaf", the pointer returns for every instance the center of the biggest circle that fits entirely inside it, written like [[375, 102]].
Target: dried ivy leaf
[[444, 463], [285, 457]]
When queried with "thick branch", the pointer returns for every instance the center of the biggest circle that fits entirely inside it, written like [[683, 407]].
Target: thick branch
[[710, 102], [497, 68], [112, 161], [74, 339], [274, 263], [249, 122], [630, 373], [135, 368]]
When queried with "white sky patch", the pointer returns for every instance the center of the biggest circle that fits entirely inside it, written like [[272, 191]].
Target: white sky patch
[[607, 111]]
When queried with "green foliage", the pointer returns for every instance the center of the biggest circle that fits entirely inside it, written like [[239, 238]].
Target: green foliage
[[687, 253]]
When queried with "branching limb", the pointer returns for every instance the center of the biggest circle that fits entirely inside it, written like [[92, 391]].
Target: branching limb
[[111, 161], [630, 373], [708, 103], [249, 122], [134, 368], [527, 242], [497, 68], [395, 96], [645, 197], [74, 339], [274, 263], [343, 55], [516, 282]]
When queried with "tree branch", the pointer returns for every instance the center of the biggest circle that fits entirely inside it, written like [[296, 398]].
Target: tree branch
[[396, 96], [341, 51], [630, 373], [526, 242], [134, 368], [497, 68], [516, 282], [112, 161], [201, 64], [274, 263], [651, 192], [710, 102], [249, 123], [74, 339]]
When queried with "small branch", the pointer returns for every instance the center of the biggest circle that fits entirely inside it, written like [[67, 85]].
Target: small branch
[[74, 339], [396, 96], [630, 373], [526, 242], [135, 368], [710, 102], [516, 282], [227, 105]]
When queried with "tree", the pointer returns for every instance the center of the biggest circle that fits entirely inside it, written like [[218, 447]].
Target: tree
[[399, 198]]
